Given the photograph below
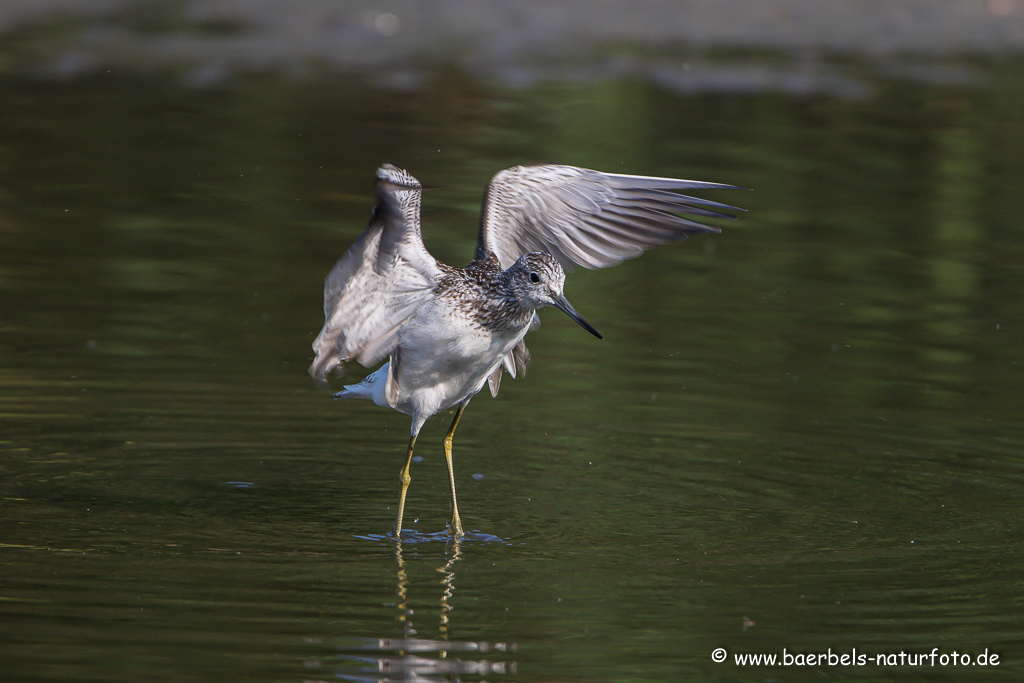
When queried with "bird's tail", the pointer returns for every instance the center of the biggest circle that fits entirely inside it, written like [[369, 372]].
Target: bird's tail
[[355, 391], [371, 388]]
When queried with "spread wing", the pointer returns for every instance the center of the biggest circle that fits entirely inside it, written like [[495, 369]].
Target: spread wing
[[380, 281], [588, 218]]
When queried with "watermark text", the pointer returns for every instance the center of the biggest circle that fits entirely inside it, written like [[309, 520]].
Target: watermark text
[[854, 657]]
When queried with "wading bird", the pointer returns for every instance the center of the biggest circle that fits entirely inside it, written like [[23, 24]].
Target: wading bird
[[449, 331]]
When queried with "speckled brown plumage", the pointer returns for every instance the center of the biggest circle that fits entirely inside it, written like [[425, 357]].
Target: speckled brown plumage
[[484, 294]]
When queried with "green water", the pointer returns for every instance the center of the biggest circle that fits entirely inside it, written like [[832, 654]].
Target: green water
[[803, 433]]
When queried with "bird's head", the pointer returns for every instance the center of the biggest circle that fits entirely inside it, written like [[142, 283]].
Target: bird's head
[[537, 280]]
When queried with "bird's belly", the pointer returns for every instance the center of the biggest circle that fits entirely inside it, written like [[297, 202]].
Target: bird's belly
[[442, 365]]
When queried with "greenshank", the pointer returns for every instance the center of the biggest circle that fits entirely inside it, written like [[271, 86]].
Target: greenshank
[[447, 332]]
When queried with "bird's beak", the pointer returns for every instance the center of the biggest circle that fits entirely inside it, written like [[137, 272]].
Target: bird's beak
[[562, 304]]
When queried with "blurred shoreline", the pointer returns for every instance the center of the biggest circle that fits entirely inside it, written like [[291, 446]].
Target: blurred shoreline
[[515, 42]]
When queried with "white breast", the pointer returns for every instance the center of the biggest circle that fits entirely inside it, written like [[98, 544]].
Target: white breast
[[444, 358]]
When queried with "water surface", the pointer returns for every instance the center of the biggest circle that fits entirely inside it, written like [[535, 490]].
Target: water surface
[[803, 433]]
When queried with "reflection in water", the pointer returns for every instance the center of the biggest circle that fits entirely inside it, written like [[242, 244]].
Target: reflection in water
[[954, 278], [396, 661], [420, 659]]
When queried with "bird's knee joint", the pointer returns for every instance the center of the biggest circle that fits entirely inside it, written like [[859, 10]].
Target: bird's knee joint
[[405, 478]]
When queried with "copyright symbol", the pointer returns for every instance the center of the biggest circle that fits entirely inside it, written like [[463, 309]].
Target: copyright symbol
[[718, 655]]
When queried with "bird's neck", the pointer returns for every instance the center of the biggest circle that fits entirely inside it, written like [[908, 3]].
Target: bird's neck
[[505, 307]]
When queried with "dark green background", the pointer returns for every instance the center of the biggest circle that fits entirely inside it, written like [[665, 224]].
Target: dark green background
[[802, 433]]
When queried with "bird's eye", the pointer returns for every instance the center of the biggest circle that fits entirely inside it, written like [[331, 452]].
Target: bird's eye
[[534, 278]]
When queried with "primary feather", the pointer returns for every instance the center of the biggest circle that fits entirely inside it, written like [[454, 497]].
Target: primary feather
[[588, 218]]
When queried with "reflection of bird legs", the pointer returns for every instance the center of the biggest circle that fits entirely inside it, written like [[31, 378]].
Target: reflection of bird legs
[[402, 589], [447, 572], [420, 659], [454, 555]]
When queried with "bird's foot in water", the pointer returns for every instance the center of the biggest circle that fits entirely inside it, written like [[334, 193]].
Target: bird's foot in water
[[455, 527]]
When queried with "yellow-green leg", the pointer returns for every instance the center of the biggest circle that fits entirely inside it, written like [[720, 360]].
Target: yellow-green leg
[[405, 478], [455, 526]]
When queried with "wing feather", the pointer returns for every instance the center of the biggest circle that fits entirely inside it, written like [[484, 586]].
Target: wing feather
[[379, 283], [588, 218]]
